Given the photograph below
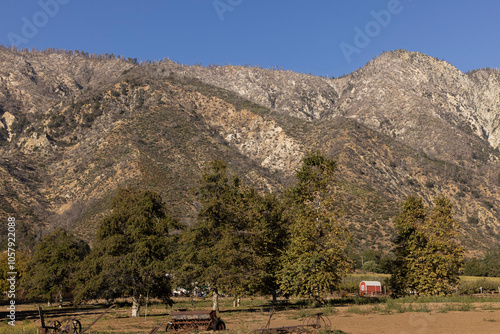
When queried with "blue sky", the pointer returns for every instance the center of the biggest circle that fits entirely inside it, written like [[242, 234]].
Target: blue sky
[[316, 36]]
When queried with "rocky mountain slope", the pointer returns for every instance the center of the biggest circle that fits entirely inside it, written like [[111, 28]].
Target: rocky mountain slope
[[74, 128]]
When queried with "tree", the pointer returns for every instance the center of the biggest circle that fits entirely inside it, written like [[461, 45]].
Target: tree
[[316, 259], [375, 257], [52, 265], [409, 240], [492, 263], [427, 256], [269, 238], [475, 267], [21, 267], [370, 266], [444, 257], [131, 246], [489, 265], [218, 249]]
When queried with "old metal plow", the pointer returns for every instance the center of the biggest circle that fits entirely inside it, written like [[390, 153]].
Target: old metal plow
[[72, 326]]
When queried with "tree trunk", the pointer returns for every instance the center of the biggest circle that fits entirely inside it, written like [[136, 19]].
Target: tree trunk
[[275, 296], [60, 299], [136, 306], [236, 301], [215, 300]]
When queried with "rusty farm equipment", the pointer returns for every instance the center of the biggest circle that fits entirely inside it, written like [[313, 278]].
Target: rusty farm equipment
[[311, 323], [202, 320], [72, 326]]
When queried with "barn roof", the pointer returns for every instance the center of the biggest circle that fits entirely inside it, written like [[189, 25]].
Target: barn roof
[[372, 283]]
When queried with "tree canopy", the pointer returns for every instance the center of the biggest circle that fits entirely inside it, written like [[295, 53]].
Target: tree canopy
[[128, 256], [233, 244], [21, 267], [52, 265], [427, 256], [488, 266], [270, 236], [315, 260], [206, 252]]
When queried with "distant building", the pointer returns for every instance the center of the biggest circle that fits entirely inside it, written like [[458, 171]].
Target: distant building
[[370, 288]]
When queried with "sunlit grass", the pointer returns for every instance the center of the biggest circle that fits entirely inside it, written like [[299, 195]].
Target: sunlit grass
[[20, 328]]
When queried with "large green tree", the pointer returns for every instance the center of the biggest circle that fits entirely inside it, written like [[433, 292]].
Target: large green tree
[[234, 244], [269, 230], [439, 273], [21, 267], [52, 265], [409, 241], [128, 258], [428, 257], [215, 249], [316, 259]]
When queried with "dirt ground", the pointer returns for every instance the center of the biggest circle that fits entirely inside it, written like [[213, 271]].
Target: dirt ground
[[484, 318], [471, 322], [456, 322]]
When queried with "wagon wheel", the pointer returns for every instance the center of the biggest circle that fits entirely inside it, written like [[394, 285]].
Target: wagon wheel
[[55, 325], [219, 325], [318, 321], [73, 326], [76, 327], [170, 327]]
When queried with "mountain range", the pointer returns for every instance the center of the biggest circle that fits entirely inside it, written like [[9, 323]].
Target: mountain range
[[75, 127]]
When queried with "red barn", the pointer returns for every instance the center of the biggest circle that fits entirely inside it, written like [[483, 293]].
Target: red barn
[[370, 288]]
